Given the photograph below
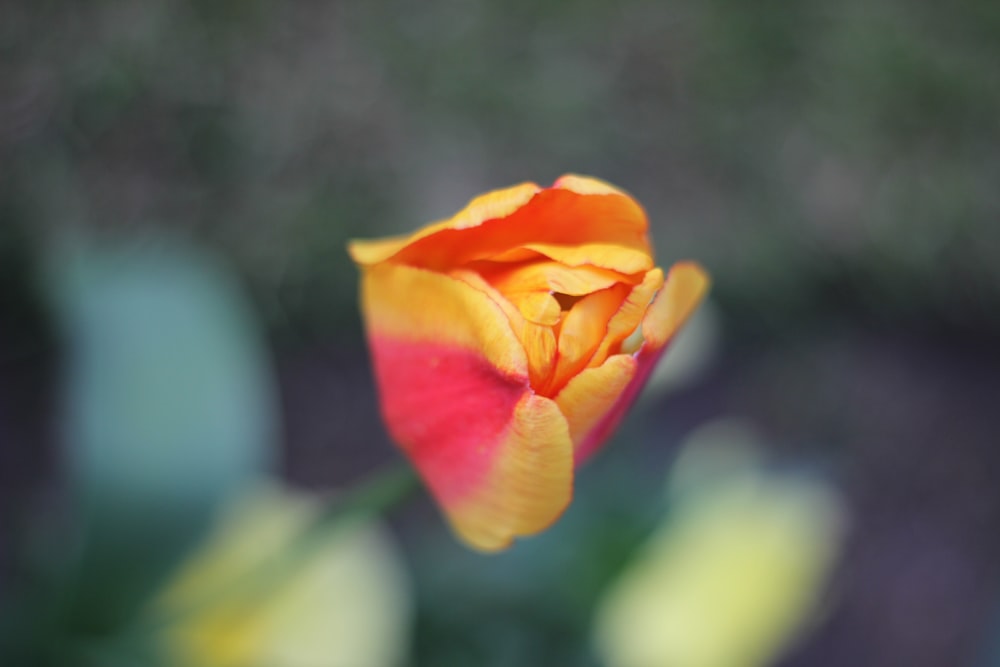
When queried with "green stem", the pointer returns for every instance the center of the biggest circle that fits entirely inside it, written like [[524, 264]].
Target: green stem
[[381, 492]]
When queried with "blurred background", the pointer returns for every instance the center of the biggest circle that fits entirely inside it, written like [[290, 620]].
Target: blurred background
[[833, 165]]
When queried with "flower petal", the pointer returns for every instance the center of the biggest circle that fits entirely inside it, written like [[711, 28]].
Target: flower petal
[[588, 397], [530, 482], [499, 221], [629, 316], [618, 258], [685, 286], [581, 331], [538, 340], [492, 205], [554, 277]]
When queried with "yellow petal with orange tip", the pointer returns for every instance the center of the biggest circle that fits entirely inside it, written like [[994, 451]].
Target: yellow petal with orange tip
[[593, 393], [684, 288], [495, 204], [500, 221]]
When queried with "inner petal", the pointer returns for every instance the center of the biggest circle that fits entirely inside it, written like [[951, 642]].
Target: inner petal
[[629, 316], [581, 331], [554, 277]]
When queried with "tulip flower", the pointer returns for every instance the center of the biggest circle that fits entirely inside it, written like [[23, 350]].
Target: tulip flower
[[509, 340]]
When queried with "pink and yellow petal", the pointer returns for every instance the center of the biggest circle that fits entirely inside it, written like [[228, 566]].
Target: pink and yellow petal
[[403, 303], [530, 481]]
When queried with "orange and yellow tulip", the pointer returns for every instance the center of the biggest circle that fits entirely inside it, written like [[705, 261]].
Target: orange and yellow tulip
[[509, 340]]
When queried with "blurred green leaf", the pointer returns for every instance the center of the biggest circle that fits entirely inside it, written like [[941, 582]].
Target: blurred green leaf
[[168, 408]]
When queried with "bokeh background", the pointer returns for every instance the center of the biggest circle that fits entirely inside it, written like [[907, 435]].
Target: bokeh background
[[835, 166]]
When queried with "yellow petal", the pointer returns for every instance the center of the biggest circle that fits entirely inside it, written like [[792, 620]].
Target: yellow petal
[[588, 185], [537, 307], [538, 340], [686, 285], [554, 277], [618, 258], [588, 398]]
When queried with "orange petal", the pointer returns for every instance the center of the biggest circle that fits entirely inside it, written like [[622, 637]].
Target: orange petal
[[530, 481], [556, 215], [590, 396], [492, 205]]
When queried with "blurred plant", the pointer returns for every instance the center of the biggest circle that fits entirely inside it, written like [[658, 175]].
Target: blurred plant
[[169, 415], [731, 578], [345, 602]]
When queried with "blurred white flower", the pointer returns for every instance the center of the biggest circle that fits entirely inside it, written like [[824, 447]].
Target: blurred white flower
[[735, 574], [346, 605]]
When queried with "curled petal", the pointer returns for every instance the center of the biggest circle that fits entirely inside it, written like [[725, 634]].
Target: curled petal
[[629, 315], [582, 329], [490, 206], [500, 221], [684, 288]]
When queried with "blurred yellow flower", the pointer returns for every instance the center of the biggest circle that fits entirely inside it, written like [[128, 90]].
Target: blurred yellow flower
[[731, 579], [347, 604]]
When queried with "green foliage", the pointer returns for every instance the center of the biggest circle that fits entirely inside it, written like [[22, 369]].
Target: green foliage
[[168, 410]]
